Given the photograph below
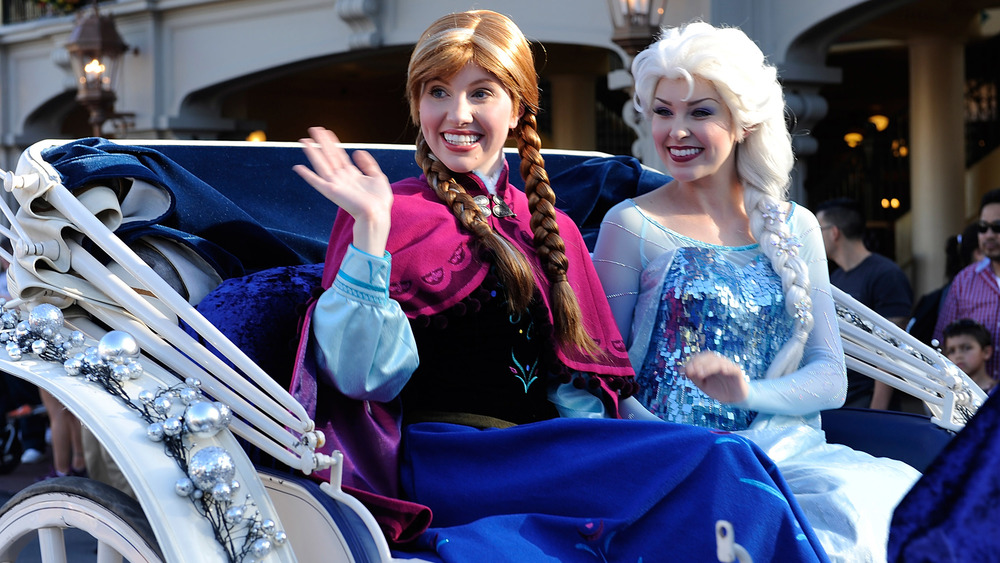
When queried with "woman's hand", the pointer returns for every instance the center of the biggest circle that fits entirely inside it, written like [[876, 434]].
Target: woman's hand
[[717, 376], [359, 188]]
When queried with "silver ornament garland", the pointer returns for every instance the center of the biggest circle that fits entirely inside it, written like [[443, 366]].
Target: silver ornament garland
[[175, 416]]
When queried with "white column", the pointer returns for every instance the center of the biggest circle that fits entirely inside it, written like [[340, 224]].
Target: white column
[[937, 153]]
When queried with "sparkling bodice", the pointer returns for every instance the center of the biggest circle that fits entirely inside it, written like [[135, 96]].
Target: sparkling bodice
[[710, 303]]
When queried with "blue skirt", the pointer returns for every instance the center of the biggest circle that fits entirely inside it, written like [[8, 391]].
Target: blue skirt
[[593, 490]]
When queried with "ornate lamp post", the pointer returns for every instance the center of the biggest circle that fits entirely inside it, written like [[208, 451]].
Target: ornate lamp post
[[95, 49], [636, 23]]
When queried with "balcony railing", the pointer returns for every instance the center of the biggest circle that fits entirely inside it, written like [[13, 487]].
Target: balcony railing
[[19, 11]]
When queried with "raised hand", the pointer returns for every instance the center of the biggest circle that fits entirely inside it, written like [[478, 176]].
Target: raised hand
[[717, 376], [359, 187]]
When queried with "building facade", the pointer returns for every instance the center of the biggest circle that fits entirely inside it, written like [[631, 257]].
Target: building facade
[[221, 69]]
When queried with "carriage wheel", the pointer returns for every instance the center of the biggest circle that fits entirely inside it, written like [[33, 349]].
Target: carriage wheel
[[44, 510]]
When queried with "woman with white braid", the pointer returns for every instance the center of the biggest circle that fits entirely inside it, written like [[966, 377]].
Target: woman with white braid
[[720, 286]]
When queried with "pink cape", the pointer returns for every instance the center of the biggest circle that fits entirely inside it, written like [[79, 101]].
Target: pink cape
[[434, 267]]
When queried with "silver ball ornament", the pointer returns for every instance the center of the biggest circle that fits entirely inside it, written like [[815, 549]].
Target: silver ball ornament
[[172, 426], [13, 350], [45, 316], [261, 547], [203, 419], [210, 466], [188, 395], [134, 369], [38, 346], [120, 373], [225, 413], [162, 404], [192, 382], [221, 491], [117, 345], [233, 514], [268, 526], [279, 538], [73, 366], [9, 319], [76, 338], [184, 487], [146, 396], [155, 432]]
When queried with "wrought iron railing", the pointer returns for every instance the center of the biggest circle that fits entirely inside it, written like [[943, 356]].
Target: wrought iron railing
[[19, 11]]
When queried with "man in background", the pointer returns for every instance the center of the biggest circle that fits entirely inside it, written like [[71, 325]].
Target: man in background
[[975, 293], [874, 280]]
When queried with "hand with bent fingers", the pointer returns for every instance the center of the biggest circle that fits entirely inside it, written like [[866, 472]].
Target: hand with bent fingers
[[359, 187], [717, 376]]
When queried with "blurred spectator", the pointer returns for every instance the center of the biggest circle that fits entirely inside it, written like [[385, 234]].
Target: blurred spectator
[[969, 346], [872, 279], [19, 400], [974, 293], [960, 251]]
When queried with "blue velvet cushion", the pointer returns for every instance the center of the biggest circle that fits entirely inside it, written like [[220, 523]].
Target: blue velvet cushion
[[260, 314]]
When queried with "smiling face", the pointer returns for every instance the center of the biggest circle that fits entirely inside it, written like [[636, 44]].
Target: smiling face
[[466, 119], [694, 134]]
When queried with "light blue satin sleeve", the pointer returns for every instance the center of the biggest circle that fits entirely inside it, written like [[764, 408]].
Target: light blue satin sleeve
[[364, 344], [573, 402]]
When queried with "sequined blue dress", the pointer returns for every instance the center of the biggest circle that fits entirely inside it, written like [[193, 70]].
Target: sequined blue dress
[[674, 296]]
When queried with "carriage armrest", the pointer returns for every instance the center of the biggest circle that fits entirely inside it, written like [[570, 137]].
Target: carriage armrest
[[324, 528], [907, 437]]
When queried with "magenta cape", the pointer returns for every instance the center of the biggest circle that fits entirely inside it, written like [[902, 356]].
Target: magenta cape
[[434, 266]]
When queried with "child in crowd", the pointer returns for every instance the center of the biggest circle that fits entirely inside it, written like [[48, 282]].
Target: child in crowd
[[969, 345]]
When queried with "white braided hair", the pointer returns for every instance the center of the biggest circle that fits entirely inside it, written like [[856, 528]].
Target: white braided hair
[[749, 86]]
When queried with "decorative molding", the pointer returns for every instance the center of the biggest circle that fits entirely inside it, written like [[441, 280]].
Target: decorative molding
[[362, 16]]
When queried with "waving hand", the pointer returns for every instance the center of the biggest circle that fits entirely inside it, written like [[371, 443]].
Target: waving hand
[[359, 187]]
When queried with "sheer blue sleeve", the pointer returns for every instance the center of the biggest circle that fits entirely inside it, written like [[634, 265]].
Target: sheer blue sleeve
[[821, 381], [619, 262], [364, 344]]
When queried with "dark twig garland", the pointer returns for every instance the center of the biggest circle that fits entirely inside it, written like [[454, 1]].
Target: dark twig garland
[[175, 416]]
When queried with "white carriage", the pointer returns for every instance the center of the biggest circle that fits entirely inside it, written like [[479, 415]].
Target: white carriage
[[178, 426]]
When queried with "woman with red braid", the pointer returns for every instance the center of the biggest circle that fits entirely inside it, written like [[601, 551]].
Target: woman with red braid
[[468, 315]]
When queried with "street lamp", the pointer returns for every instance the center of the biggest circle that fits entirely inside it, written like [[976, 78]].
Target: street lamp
[[95, 49], [636, 22]]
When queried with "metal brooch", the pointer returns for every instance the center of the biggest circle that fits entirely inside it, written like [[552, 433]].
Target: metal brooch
[[499, 209]]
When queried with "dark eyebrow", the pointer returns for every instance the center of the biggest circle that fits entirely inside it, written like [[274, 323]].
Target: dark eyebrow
[[691, 102]]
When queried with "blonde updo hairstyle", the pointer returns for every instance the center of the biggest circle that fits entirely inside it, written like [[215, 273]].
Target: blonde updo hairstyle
[[492, 41], [749, 87]]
